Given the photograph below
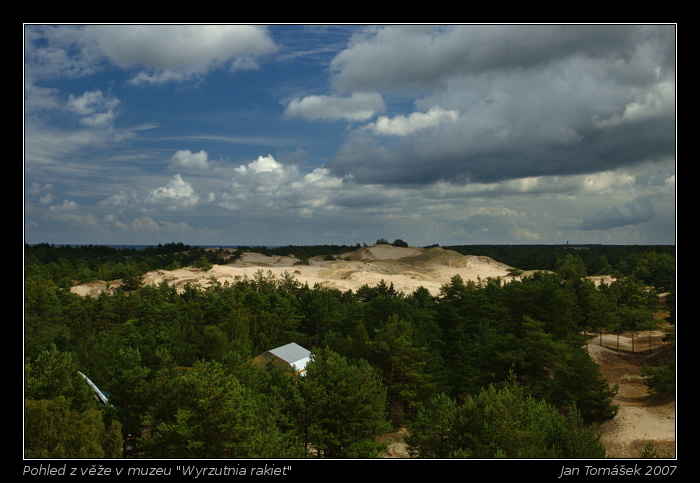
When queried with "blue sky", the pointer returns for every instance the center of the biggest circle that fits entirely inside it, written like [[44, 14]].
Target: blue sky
[[344, 134]]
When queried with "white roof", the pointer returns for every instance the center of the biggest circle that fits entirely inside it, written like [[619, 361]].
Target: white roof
[[291, 353]]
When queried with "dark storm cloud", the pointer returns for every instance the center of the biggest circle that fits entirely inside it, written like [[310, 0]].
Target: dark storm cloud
[[428, 56], [637, 211], [487, 159], [532, 101]]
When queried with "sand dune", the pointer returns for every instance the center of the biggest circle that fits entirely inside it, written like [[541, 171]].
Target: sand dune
[[407, 268]]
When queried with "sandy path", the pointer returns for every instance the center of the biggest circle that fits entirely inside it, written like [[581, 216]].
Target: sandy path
[[639, 420]]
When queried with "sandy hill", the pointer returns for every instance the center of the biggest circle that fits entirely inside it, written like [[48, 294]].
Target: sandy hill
[[407, 268]]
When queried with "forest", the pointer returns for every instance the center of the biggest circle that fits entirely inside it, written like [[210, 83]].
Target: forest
[[486, 369]]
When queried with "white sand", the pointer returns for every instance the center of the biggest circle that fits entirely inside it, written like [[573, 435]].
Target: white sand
[[405, 268]]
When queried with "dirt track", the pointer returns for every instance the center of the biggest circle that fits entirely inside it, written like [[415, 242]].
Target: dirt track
[[641, 419]]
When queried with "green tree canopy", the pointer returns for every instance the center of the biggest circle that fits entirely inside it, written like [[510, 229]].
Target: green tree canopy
[[54, 430], [404, 366], [344, 407], [501, 423], [214, 419]]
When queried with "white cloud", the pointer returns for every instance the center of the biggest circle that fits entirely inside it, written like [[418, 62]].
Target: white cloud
[[141, 224], [145, 226], [264, 164], [657, 101], [120, 200], [96, 110], [525, 234], [187, 160], [417, 121], [83, 221], [178, 194], [358, 107], [178, 52], [266, 183], [43, 192], [66, 206]]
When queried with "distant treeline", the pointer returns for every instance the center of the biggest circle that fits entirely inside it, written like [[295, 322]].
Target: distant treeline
[[598, 259], [70, 263]]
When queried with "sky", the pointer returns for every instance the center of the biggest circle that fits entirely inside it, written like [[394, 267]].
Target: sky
[[222, 134]]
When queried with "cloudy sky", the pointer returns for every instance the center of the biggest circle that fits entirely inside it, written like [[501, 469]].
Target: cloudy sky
[[344, 134]]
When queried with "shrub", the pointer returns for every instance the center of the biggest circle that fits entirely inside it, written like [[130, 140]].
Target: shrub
[[660, 380]]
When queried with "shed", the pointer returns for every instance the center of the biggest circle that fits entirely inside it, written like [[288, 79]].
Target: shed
[[291, 356]]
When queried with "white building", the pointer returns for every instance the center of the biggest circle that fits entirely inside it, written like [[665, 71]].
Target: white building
[[291, 356]]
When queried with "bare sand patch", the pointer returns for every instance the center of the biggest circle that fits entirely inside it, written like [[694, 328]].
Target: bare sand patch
[[640, 419], [406, 268]]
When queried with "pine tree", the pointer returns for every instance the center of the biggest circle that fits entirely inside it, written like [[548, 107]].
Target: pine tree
[[403, 364], [214, 418], [501, 422], [54, 430], [430, 434], [343, 407]]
